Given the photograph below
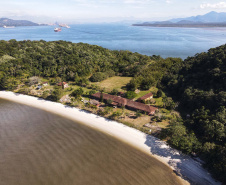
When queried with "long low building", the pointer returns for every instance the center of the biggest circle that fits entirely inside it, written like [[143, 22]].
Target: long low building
[[119, 101]]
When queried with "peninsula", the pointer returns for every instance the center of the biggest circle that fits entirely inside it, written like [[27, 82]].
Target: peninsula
[[184, 25], [10, 22], [182, 102]]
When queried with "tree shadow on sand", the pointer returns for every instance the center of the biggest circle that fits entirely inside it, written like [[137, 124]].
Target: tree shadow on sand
[[184, 165]]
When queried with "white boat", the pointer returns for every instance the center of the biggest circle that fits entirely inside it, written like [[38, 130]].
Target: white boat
[[8, 26], [64, 25], [57, 29]]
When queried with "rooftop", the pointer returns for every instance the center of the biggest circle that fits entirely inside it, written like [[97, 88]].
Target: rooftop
[[146, 96], [126, 102], [60, 83]]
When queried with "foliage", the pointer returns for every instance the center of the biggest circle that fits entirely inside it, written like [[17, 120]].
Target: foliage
[[116, 114], [45, 94], [24, 91], [56, 94], [101, 97], [168, 103], [98, 76], [199, 85], [159, 93], [64, 60], [130, 94], [77, 93], [82, 81], [109, 101], [114, 92], [150, 75], [181, 138], [158, 116], [69, 89], [138, 114], [105, 111], [34, 80], [92, 92], [57, 80]]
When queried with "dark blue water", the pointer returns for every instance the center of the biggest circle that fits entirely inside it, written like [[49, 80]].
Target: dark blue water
[[167, 42]]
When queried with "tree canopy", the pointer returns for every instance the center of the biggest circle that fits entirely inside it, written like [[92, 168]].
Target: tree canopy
[[199, 85]]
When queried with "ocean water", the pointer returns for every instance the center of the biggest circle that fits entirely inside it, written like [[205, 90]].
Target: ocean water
[[167, 42], [40, 148]]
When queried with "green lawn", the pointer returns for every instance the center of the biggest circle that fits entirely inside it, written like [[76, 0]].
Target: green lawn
[[158, 102], [69, 90], [116, 82]]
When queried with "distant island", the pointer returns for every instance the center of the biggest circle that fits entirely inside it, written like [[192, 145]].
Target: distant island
[[10, 22], [200, 25], [211, 19]]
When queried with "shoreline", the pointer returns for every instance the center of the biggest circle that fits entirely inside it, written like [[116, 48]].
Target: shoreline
[[175, 25], [186, 167]]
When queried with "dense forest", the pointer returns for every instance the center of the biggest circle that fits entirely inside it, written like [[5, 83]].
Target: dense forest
[[69, 61], [197, 86]]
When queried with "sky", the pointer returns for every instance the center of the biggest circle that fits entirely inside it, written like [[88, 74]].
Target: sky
[[85, 11]]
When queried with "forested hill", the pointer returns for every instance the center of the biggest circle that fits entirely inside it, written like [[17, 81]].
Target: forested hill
[[22, 59], [197, 85], [201, 81]]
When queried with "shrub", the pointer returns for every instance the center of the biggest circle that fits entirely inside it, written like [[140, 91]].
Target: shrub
[[77, 93], [130, 94], [138, 114], [109, 101], [97, 77], [159, 93], [34, 80], [92, 92], [114, 92]]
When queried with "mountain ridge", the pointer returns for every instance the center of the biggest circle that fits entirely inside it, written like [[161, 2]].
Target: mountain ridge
[[211, 19]]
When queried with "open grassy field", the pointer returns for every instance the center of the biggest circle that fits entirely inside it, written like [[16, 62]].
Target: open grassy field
[[158, 102], [137, 122], [116, 82]]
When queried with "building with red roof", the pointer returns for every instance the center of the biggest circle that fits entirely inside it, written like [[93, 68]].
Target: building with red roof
[[123, 102], [146, 97], [63, 84]]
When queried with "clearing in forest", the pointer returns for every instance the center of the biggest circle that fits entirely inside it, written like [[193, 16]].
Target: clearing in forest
[[116, 82]]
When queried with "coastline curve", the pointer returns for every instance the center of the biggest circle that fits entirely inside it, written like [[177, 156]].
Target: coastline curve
[[183, 165]]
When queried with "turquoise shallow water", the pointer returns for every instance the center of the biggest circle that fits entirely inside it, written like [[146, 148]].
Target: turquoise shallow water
[[167, 42]]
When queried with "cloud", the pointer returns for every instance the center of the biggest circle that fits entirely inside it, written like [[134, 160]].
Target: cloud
[[168, 1], [216, 5], [136, 1], [131, 1], [113, 1]]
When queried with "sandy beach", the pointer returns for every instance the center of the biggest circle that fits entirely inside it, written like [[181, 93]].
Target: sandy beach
[[185, 166]]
